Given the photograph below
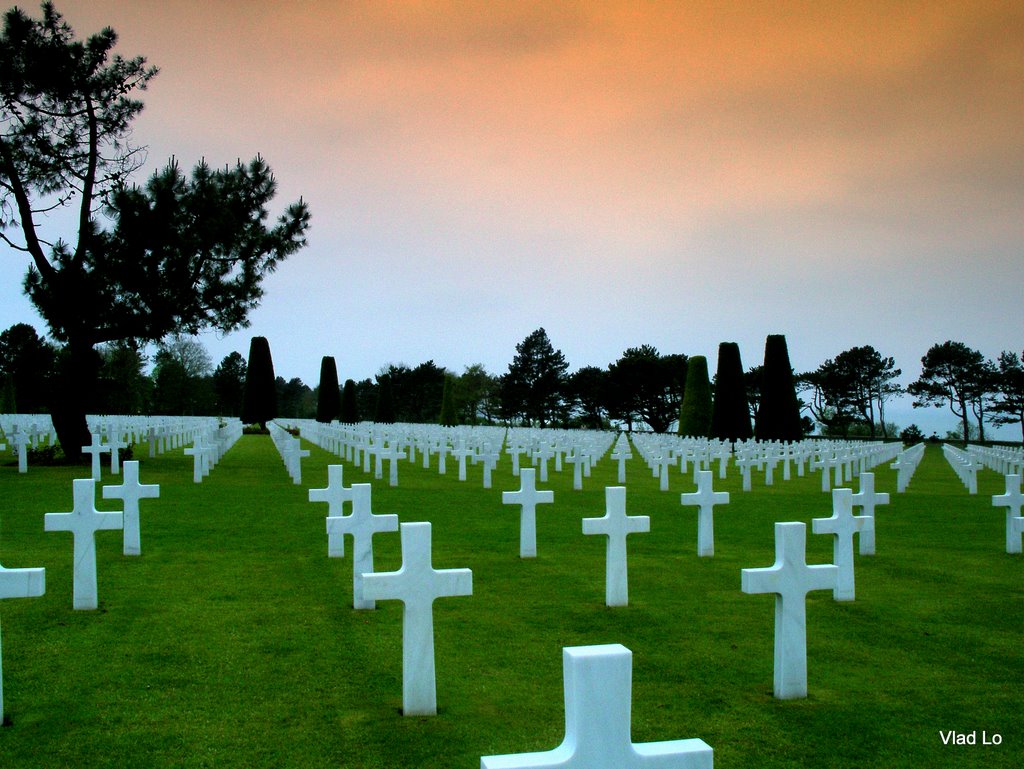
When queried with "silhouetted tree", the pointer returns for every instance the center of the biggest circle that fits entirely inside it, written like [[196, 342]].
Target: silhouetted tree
[[259, 401], [478, 395], [180, 254], [385, 413], [588, 389], [27, 361], [645, 385], [533, 387], [778, 415], [449, 414], [124, 387], [695, 411], [349, 406], [229, 384], [1010, 387], [730, 414], [950, 375], [328, 405]]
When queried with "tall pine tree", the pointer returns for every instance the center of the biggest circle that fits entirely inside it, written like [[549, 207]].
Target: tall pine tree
[[730, 414], [778, 414], [259, 404], [328, 403]]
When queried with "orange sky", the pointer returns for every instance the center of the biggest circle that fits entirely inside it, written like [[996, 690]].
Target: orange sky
[[621, 173]]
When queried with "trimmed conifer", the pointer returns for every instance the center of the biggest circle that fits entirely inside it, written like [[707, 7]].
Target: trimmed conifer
[[349, 406], [259, 404], [695, 411], [730, 414], [778, 414], [385, 401], [328, 402], [449, 414]]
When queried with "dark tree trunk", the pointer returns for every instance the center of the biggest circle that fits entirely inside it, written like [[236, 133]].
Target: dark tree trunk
[[72, 397]]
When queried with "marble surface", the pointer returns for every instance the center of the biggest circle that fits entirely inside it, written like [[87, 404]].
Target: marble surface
[[598, 703]]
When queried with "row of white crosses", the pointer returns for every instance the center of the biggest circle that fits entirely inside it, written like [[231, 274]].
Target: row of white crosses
[[790, 578], [83, 522], [417, 584], [906, 464], [210, 444], [964, 467], [1003, 459], [290, 449]]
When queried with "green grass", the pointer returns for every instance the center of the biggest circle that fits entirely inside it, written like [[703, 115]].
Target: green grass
[[231, 641]]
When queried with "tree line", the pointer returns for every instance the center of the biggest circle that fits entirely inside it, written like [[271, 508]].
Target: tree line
[[643, 389]]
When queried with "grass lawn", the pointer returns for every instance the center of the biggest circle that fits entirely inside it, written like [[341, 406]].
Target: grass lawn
[[231, 641]]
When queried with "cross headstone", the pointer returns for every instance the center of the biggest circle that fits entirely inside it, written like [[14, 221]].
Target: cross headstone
[[130, 492], [621, 454], [842, 525], [335, 495], [616, 525], [528, 497], [576, 460], [790, 578], [21, 442], [867, 499], [598, 686], [83, 522], [1011, 500], [542, 454], [707, 498], [417, 585], [18, 583], [94, 449], [361, 524], [461, 454]]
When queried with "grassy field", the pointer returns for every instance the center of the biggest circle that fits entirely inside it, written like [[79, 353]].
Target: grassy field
[[231, 642]]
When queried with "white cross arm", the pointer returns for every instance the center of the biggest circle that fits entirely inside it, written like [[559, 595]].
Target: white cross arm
[[22, 583]]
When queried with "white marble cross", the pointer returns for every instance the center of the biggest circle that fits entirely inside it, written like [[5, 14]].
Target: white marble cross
[[576, 460], [621, 454], [130, 492], [392, 453], [616, 525], [18, 583], [842, 525], [95, 448], [83, 522], [542, 454], [598, 686], [490, 458], [362, 524], [1011, 500], [866, 499], [335, 495], [790, 578], [417, 585], [21, 442], [707, 498], [460, 454], [528, 497]]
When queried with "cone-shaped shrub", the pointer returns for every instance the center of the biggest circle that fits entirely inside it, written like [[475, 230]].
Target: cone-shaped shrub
[[778, 414], [349, 408], [730, 415], [385, 401], [695, 411], [259, 404], [328, 403], [449, 414]]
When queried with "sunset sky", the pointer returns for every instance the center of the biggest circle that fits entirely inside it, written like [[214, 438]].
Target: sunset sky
[[620, 173]]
